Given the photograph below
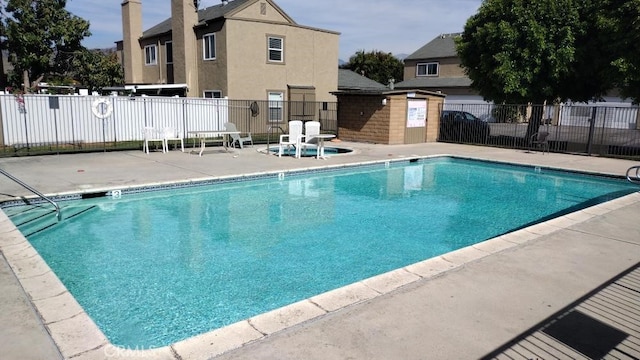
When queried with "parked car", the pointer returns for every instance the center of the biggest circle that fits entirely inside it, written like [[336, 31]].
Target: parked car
[[461, 126]]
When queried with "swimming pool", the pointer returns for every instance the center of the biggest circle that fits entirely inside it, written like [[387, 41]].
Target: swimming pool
[[153, 278], [311, 151]]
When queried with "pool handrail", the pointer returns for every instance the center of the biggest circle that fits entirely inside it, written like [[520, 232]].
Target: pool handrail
[[23, 184], [631, 178]]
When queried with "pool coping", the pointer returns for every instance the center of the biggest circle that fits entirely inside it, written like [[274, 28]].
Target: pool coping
[[77, 336]]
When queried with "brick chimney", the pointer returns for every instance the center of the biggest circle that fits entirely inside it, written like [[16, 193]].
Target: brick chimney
[[184, 16], [131, 33]]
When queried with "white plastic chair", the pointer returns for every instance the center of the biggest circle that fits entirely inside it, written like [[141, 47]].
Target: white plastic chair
[[236, 138], [152, 134], [292, 139], [311, 129], [170, 134]]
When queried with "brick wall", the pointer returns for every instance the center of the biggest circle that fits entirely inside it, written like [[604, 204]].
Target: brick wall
[[363, 118]]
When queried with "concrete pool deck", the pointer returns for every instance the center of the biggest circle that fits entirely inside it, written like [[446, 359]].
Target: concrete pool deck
[[486, 300]]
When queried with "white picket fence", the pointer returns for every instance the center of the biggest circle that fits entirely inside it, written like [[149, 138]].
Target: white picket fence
[[45, 119]]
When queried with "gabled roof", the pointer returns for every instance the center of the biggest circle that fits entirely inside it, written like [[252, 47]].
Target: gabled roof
[[351, 81], [209, 14], [440, 47], [434, 82]]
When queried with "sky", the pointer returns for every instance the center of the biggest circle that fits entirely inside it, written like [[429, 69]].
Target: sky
[[395, 26]]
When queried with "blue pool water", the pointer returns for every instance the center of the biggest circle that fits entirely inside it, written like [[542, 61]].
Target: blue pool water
[[157, 267], [311, 151]]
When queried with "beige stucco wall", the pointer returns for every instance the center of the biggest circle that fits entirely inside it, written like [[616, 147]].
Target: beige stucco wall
[[213, 74], [364, 118], [151, 74], [310, 59], [132, 59], [255, 11], [448, 67], [241, 70]]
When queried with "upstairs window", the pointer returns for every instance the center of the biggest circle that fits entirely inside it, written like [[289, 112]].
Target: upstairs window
[[209, 46], [168, 48], [427, 69], [213, 94], [275, 49], [150, 55]]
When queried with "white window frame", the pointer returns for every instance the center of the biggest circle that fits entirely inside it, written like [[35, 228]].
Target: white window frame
[[426, 69], [151, 55], [279, 50], [211, 94], [167, 45], [276, 106], [209, 45]]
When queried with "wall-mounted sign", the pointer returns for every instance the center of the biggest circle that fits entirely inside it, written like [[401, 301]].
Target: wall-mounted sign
[[417, 113]]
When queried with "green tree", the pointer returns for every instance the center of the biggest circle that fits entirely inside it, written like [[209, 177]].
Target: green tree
[[620, 22], [517, 51], [41, 36], [96, 69], [3, 39], [376, 65]]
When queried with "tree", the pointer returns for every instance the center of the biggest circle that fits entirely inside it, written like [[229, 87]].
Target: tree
[[376, 65], [537, 51], [518, 51], [96, 69], [41, 36], [620, 20], [3, 16]]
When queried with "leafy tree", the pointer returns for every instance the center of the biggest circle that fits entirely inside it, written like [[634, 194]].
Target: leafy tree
[[538, 51], [41, 36], [376, 65], [517, 51], [3, 16], [97, 69], [620, 22]]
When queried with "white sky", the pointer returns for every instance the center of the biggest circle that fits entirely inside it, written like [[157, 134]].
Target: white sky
[[395, 26]]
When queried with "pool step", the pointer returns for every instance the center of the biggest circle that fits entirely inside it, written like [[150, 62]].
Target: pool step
[[33, 219]]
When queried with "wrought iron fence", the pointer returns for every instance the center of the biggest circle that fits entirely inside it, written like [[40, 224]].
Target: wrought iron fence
[[612, 131], [43, 124]]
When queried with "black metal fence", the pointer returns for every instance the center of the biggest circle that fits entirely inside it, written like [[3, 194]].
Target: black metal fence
[[612, 131], [42, 124]]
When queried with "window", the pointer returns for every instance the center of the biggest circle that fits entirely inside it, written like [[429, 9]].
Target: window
[[213, 94], [150, 55], [428, 69], [168, 48], [275, 106], [209, 46], [276, 49]]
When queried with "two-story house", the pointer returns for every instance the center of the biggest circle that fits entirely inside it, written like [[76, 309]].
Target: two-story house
[[436, 67], [241, 49]]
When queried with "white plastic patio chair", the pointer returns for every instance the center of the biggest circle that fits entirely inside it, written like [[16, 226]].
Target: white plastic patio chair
[[170, 134], [311, 129], [151, 134], [292, 139], [236, 138]]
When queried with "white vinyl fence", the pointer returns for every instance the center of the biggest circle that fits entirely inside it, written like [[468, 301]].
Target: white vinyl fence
[[47, 119]]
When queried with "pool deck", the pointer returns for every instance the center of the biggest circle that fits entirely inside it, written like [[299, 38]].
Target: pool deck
[[567, 288]]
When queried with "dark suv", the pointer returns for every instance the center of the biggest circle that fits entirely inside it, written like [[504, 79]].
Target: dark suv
[[461, 126]]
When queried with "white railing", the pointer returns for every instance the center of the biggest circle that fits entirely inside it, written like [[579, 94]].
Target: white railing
[[47, 119]]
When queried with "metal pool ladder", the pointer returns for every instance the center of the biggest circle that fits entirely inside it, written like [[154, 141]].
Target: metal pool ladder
[[20, 182], [634, 178]]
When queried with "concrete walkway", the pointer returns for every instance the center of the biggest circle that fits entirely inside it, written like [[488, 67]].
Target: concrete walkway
[[492, 299]]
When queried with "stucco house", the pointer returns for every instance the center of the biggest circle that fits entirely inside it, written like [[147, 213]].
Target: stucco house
[[436, 67], [241, 49]]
